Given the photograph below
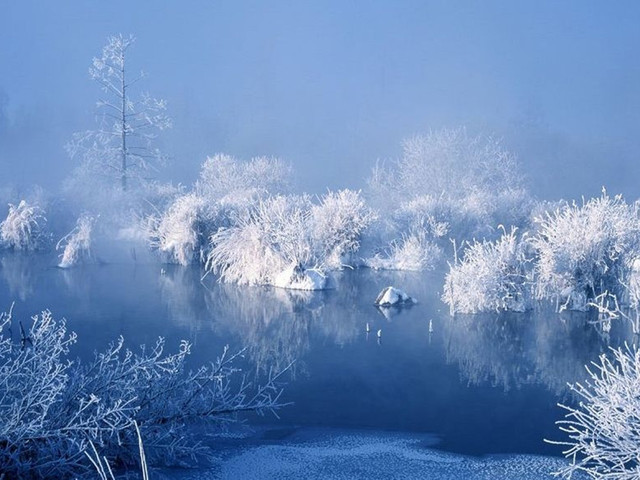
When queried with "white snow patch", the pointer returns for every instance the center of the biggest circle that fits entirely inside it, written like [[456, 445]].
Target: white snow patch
[[393, 296], [296, 277], [357, 455]]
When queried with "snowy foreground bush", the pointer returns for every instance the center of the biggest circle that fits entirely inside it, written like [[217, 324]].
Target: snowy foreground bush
[[290, 242], [51, 409], [604, 429], [585, 250], [23, 229], [491, 276]]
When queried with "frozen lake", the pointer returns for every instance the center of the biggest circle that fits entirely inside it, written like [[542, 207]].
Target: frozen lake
[[476, 386]]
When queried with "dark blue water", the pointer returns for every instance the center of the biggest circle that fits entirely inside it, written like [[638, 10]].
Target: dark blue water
[[483, 384]]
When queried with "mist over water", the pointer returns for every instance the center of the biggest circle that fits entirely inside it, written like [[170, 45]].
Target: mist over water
[[334, 86]]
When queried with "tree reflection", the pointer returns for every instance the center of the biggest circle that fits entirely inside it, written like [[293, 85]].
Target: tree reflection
[[18, 273], [512, 350]]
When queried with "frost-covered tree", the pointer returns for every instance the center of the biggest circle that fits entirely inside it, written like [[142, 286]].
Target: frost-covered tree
[[603, 429], [224, 176], [447, 183], [121, 151], [477, 173]]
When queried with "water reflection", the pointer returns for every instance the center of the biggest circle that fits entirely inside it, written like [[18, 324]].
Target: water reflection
[[281, 326], [429, 372], [512, 350], [277, 325], [18, 273]]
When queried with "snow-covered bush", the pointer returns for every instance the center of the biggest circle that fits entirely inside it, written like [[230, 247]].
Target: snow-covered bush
[[271, 238], [604, 428], [180, 234], [413, 252], [492, 276], [410, 235], [51, 408], [222, 175], [23, 229], [451, 161], [475, 173], [447, 183], [585, 250], [288, 241], [337, 225], [76, 244]]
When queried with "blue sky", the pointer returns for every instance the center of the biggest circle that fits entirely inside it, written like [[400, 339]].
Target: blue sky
[[333, 86]]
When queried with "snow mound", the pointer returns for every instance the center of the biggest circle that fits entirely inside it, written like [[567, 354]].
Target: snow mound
[[393, 296], [296, 277]]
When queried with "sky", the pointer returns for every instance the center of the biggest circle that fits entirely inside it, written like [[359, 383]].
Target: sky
[[334, 86]]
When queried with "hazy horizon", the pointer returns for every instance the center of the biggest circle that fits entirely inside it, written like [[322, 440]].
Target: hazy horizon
[[334, 86]]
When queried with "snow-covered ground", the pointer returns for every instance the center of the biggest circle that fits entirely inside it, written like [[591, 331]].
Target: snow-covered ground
[[344, 454]]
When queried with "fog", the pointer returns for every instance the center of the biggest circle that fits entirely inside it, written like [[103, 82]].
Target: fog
[[334, 86]]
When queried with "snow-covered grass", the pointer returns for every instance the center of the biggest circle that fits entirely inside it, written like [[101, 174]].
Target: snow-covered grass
[[585, 250], [491, 276], [76, 244], [24, 227], [52, 408], [603, 430]]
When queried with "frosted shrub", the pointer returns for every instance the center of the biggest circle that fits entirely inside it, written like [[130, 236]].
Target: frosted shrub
[[288, 241], [273, 236], [222, 175], [180, 233], [446, 183], [413, 252], [585, 250], [449, 162], [337, 225], [76, 244], [420, 224], [426, 213], [51, 408], [492, 276], [23, 229], [604, 429]]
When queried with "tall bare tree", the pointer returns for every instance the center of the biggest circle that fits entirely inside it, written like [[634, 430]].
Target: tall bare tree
[[122, 148]]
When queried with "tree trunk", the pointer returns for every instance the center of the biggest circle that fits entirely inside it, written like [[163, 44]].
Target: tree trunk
[[123, 170]]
